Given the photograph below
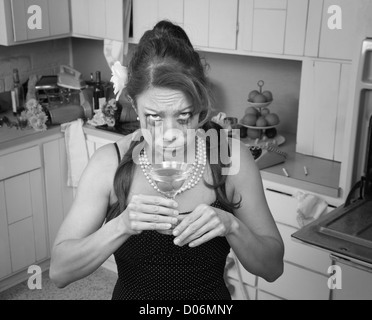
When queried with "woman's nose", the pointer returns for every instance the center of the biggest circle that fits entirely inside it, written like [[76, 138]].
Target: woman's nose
[[170, 135]]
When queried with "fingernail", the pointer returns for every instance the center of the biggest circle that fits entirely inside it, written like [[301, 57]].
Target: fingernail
[[176, 233], [176, 213], [177, 242], [174, 221], [175, 204]]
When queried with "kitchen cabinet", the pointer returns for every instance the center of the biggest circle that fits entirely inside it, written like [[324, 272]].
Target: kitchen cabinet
[[146, 13], [324, 39], [305, 268], [31, 20], [211, 23], [322, 108], [356, 284], [208, 23], [99, 19], [22, 211], [275, 27]]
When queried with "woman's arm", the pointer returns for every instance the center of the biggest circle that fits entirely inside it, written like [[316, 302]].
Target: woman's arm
[[82, 243], [254, 236]]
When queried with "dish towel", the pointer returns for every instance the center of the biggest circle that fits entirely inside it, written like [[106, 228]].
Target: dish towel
[[76, 149], [309, 208]]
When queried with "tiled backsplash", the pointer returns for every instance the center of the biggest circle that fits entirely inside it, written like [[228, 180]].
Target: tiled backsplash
[[40, 58]]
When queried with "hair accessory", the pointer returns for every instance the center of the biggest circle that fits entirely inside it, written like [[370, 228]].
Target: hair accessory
[[119, 78]]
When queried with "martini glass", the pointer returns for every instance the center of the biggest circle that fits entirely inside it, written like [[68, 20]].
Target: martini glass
[[170, 176]]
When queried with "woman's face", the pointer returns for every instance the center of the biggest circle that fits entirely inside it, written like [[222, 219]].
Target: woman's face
[[167, 114]]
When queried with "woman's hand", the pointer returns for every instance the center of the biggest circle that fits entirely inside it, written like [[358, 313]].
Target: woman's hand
[[149, 213], [202, 225]]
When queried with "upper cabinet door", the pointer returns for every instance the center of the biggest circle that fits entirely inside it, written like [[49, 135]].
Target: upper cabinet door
[[338, 30], [196, 21], [211, 23], [97, 18], [30, 19], [145, 16], [171, 10], [296, 27], [115, 19], [79, 17], [39, 19], [102, 19], [223, 21], [59, 17]]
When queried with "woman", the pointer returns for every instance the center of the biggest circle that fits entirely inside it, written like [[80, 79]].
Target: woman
[[165, 248]]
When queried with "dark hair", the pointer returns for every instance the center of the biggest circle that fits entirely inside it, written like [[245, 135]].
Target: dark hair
[[165, 58]]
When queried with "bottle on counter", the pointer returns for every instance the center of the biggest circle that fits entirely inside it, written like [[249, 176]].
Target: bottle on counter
[[98, 93], [18, 94]]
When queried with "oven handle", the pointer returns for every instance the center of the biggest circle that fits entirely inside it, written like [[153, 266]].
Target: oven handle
[[352, 263]]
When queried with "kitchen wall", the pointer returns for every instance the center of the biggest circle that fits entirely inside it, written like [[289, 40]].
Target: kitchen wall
[[41, 58], [232, 76]]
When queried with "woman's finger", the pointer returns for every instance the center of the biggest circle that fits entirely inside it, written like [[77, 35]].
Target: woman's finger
[[188, 220], [201, 228], [143, 226], [214, 233], [154, 200], [155, 218], [152, 209]]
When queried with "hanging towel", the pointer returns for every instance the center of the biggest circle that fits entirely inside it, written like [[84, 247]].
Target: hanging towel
[[309, 208], [77, 151], [114, 50]]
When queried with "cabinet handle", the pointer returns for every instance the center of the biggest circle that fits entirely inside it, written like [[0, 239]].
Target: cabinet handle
[[280, 192]]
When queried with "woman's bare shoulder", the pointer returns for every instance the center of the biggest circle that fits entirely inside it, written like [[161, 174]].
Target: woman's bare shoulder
[[125, 142]]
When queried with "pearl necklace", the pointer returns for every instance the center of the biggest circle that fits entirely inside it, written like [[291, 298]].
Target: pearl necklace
[[196, 173]]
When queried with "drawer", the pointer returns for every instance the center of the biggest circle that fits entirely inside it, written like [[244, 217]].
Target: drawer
[[283, 207], [297, 284], [19, 162], [302, 254]]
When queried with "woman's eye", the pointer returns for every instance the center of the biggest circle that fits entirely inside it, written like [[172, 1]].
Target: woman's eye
[[184, 117], [154, 117]]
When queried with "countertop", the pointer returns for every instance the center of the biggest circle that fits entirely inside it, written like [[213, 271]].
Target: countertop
[[323, 175]]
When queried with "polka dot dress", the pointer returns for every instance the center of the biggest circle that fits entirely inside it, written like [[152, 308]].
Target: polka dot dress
[[151, 267]]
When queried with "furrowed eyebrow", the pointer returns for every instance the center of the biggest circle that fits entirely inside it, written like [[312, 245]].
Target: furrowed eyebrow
[[187, 109]]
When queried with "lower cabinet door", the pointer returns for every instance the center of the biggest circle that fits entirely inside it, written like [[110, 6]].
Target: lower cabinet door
[[353, 284], [22, 222], [297, 284]]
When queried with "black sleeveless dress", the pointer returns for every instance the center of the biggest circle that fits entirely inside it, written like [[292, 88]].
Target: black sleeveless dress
[[151, 267]]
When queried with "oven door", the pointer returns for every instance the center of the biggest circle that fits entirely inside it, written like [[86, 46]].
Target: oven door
[[346, 231]]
